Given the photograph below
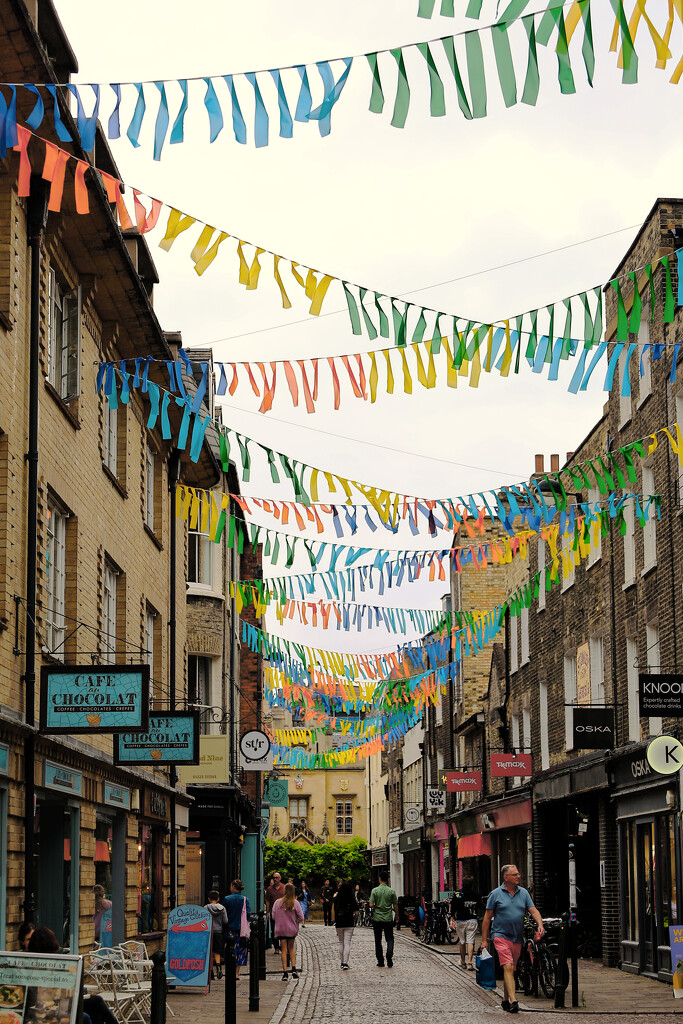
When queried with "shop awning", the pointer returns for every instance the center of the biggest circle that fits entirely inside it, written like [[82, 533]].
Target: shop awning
[[478, 845]]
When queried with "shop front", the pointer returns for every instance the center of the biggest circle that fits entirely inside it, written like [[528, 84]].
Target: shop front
[[153, 842], [442, 875], [497, 833], [4, 801], [646, 806], [110, 852], [410, 846], [57, 851]]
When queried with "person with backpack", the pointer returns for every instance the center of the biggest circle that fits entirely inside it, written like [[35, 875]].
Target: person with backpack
[[219, 921], [345, 913], [235, 904]]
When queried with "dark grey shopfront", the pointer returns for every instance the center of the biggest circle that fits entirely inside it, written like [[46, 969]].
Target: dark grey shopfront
[[646, 806]]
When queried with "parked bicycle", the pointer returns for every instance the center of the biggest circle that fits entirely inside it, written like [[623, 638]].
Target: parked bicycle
[[443, 931], [536, 965], [365, 914]]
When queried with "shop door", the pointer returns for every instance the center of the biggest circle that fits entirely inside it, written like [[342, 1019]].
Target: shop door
[[647, 904]]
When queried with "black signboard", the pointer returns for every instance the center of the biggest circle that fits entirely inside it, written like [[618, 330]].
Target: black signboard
[[593, 728], [660, 696]]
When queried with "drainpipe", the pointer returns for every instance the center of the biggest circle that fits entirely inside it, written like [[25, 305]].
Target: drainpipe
[[173, 475], [233, 662], [37, 220]]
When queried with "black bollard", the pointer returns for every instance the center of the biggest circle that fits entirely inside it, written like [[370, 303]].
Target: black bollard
[[262, 945], [157, 1013], [254, 946], [230, 981], [561, 964]]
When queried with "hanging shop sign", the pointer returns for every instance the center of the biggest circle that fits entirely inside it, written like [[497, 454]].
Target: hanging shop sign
[[254, 744], [156, 805], [583, 674], [260, 764], [436, 799], [510, 765], [34, 982], [188, 946], [116, 796], [412, 815], [276, 792], [214, 763], [172, 738], [110, 699], [379, 857], [4, 759], [665, 755], [63, 779], [593, 728], [660, 696], [409, 841], [459, 781]]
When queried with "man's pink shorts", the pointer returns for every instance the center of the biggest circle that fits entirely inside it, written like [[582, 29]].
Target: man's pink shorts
[[508, 952]]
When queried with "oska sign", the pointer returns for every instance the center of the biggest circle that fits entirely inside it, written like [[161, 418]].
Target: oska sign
[[660, 696], [593, 728]]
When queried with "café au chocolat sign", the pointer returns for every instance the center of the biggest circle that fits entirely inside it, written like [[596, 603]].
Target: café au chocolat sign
[[94, 698], [172, 738]]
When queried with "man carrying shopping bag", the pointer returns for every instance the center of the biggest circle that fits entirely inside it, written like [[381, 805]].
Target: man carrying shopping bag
[[506, 907]]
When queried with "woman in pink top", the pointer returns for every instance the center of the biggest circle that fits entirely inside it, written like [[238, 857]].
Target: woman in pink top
[[287, 915]]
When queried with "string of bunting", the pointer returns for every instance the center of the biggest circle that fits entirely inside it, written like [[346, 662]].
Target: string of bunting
[[477, 346], [455, 59]]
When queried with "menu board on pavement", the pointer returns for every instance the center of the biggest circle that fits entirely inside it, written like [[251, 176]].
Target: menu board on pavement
[[40, 988]]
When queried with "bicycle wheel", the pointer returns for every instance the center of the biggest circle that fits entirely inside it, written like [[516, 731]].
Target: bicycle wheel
[[547, 971], [525, 979], [427, 934], [450, 935]]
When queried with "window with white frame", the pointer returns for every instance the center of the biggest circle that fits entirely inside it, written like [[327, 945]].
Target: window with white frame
[[541, 570], [524, 623], [569, 697], [110, 584], [644, 353], [200, 555], [150, 616], [597, 651], [653, 666], [298, 810], [439, 708], [595, 551], [150, 486], [632, 689], [64, 338], [624, 400], [514, 723], [111, 438], [543, 716], [56, 578], [344, 816], [514, 649], [630, 540], [650, 527], [526, 729], [568, 568]]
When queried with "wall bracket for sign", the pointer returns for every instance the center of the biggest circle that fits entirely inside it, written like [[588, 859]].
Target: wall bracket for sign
[[94, 698]]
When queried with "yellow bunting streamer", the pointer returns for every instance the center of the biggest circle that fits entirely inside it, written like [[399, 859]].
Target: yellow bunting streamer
[[177, 223], [286, 304]]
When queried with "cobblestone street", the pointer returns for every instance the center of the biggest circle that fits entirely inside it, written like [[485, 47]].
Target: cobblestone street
[[421, 987]]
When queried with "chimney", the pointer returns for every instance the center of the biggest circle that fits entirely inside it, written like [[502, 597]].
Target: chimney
[[538, 459], [570, 456], [554, 463]]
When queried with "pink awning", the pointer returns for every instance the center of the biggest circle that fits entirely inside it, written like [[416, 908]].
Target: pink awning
[[478, 845]]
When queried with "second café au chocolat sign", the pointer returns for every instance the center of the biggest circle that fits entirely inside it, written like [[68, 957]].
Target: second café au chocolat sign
[[94, 698]]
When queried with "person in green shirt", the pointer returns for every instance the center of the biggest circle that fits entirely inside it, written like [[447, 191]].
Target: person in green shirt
[[384, 906]]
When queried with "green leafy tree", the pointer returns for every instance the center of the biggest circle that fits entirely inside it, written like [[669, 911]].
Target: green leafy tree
[[316, 863]]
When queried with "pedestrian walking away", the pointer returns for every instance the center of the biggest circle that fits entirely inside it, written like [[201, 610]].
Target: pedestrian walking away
[[384, 908], [275, 891], [345, 913], [235, 906], [506, 908], [287, 915], [305, 899], [326, 894], [464, 913], [219, 922]]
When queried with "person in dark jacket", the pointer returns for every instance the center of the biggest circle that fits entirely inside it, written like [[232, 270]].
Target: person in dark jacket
[[233, 905], [345, 912], [219, 921], [326, 896]]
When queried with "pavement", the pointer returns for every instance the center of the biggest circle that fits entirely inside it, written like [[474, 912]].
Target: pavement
[[425, 981]]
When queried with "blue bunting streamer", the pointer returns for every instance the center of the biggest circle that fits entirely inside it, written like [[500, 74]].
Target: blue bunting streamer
[[178, 130], [213, 109], [114, 125], [238, 125], [162, 121], [260, 113], [35, 118], [304, 103], [286, 126], [135, 125]]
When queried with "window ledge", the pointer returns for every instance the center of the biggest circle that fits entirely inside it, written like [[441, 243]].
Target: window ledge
[[539, 610], [647, 569], [152, 535], [115, 480], [71, 416], [624, 423], [193, 590], [643, 400], [595, 562], [629, 583]]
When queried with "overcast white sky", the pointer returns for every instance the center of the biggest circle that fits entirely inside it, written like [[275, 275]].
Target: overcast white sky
[[399, 210]]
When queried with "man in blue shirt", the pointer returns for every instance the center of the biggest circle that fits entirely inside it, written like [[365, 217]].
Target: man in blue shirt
[[506, 907]]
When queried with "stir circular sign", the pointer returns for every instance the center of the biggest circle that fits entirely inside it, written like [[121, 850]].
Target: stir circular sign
[[665, 755], [254, 744]]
